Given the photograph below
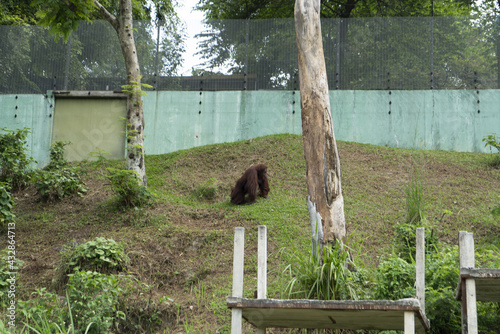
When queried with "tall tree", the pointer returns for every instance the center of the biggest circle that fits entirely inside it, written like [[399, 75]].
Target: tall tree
[[63, 17], [324, 201]]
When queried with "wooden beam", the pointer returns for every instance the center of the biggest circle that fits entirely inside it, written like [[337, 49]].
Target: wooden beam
[[469, 308], [409, 323], [262, 268], [420, 267], [238, 265]]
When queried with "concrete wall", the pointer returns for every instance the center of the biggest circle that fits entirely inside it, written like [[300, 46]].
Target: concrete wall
[[455, 120]]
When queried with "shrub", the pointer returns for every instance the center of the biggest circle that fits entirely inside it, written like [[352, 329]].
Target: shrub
[[102, 255], [14, 163], [57, 160], [57, 184], [6, 206], [207, 190], [58, 180], [94, 298], [126, 187]]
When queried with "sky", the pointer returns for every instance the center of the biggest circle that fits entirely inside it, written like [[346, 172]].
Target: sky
[[193, 20]]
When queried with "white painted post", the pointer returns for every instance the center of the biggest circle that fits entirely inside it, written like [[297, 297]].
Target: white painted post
[[238, 261], [469, 310], [420, 267], [262, 268], [409, 322]]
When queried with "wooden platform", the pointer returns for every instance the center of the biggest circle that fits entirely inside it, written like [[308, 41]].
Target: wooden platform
[[487, 283], [404, 314], [334, 314]]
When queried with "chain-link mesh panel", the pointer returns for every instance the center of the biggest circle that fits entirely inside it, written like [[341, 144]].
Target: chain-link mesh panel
[[360, 53]]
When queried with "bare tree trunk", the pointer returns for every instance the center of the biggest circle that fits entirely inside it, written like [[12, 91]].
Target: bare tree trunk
[[325, 201], [135, 117]]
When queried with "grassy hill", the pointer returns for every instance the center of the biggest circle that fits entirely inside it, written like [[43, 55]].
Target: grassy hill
[[181, 245]]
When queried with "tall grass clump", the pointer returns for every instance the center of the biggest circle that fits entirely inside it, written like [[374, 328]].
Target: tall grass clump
[[322, 274]]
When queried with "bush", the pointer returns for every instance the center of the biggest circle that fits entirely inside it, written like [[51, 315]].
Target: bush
[[58, 180], [102, 255], [57, 160], [94, 298], [127, 189], [6, 206], [57, 184], [14, 163]]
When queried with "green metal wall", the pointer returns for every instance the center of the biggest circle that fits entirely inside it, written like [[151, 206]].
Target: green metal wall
[[455, 120], [35, 112]]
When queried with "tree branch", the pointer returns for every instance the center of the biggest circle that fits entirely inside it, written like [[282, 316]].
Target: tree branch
[[107, 15]]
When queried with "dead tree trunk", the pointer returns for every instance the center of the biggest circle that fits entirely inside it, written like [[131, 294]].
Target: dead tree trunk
[[324, 201]]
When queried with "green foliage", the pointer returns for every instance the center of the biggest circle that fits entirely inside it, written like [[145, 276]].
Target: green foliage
[[493, 141], [8, 264], [414, 195], [14, 163], [58, 180], [55, 185], [94, 298], [322, 275], [101, 254], [135, 88], [6, 206], [57, 160], [63, 18], [207, 190], [126, 187], [405, 240]]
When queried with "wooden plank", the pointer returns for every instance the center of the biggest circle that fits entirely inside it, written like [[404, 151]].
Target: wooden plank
[[262, 268], [238, 265], [409, 323], [469, 307], [487, 283], [334, 314], [420, 267]]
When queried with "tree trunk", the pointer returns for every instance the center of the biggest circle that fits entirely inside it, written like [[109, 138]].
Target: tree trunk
[[135, 116], [325, 201], [123, 25]]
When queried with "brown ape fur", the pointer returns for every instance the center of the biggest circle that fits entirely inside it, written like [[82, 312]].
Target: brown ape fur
[[253, 178]]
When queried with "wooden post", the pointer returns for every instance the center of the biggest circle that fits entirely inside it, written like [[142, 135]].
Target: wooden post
[[238, 261], [409, 322], [420, 267], [469, 308], [262, 268]]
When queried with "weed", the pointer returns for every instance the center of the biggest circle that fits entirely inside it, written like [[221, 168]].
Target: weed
[[57, 160], [14, 162], [57, 184], [6, 206], [322, 275], [207, 190], [129, 192]]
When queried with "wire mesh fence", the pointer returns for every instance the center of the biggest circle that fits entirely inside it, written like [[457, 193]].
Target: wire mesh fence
[[360, 53]]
